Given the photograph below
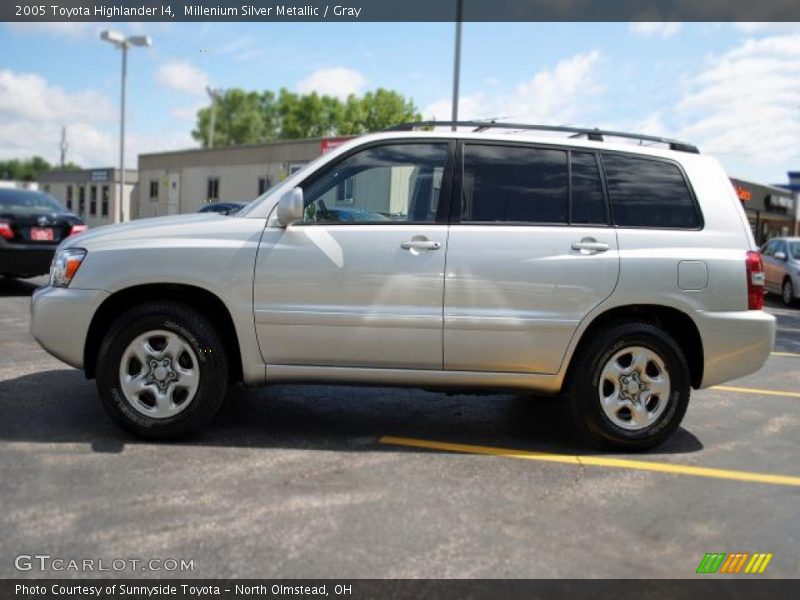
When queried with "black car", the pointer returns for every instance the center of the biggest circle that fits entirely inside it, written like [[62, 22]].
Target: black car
[[31, 226], [223, 208]]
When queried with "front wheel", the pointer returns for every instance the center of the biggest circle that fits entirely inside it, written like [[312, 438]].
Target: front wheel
[[162, 370], [630, 387]]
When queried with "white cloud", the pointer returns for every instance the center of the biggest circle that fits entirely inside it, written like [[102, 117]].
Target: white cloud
[[33, 110], [745, 103], [334, 81], [182, 76], [556, 95], [663, 29]]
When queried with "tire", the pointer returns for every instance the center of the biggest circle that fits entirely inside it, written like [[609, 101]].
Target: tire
[[601, 370], [787, 293], [175, 370]]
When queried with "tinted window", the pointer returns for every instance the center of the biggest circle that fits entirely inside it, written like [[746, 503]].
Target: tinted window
[[588, 205], [504, 184], [384, 184], [648, 193]]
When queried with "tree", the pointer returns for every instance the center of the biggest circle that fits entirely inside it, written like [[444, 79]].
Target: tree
[[249, 117], [29, 169]]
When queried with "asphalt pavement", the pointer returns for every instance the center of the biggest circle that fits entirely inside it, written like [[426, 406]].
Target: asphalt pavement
[[355, 482]]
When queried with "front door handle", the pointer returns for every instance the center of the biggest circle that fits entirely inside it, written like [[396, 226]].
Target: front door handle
[[420, 245], [590, 246]]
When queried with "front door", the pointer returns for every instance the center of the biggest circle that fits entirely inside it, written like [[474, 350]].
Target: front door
[[530, 253], [359, 282]]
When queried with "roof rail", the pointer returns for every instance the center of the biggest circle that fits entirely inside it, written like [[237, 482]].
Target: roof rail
[[596, 135]]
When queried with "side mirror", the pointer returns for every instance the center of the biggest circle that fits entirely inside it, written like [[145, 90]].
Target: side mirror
[[290, 207], [780, 255]]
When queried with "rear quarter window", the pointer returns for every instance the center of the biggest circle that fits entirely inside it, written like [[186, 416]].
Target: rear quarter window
[[648, 193]]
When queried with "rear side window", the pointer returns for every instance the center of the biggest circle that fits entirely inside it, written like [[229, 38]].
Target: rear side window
[[648, 193], [588, 204], [511, 184]]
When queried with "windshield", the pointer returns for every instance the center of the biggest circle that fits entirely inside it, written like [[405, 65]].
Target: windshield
[[794, 250], [25, 201]]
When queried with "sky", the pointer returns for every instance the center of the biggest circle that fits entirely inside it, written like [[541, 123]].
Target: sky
[[733, 89]]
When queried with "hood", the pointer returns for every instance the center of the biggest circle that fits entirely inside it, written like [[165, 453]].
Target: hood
[[156, 227]]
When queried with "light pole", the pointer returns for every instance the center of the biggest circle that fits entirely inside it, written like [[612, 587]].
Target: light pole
[[457, 60], [123, 43]]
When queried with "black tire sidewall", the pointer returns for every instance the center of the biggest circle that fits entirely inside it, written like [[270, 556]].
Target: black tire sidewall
[[787, 283], [204, 341], [584, 393]]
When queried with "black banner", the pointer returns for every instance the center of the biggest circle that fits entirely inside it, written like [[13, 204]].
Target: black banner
[[399, 10], [357, 589]]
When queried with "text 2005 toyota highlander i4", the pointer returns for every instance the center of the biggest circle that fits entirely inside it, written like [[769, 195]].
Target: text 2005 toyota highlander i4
[[617, 276]]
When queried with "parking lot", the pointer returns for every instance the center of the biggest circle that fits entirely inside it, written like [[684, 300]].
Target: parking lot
[[346, 482]]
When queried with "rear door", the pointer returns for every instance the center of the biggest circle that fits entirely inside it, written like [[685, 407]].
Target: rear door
[[530, 253]]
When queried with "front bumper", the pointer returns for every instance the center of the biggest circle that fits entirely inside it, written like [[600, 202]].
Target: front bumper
[[60, 319], [735, 344]]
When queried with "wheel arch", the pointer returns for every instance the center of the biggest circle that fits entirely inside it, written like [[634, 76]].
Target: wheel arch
[[202, 300], [675, 322]]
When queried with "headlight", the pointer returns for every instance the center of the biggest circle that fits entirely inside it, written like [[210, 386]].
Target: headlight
[[65, 265]]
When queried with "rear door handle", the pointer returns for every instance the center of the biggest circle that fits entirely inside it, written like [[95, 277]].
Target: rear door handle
[[590, 246], [420, 245]]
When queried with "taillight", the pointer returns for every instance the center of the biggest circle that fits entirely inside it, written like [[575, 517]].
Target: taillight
[[755, 281], [5, 230], [76, 229]]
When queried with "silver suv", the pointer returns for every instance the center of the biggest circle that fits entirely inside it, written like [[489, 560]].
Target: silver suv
[[619, 276]]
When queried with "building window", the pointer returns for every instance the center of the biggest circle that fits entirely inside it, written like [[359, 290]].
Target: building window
[[212, 194], [69, 197], [263, 185], [82, 200], [93, 200], [153, 189], [104, 201]]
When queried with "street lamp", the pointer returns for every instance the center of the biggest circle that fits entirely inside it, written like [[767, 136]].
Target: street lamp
[[457, 61], [215, 96], [123, 43]]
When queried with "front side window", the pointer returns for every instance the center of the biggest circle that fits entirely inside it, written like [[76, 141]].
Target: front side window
[[648, 193], [508, 184], [397, 183]]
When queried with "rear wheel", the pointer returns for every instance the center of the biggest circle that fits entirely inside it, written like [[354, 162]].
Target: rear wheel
[[162, 370], [787, 292], [630, 387]]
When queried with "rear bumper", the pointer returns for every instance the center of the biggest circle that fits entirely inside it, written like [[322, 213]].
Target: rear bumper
[[735, 344], [25, 259], [60, 319]]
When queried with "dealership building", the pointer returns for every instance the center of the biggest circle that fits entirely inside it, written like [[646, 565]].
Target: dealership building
[[771, 209], [184, 181], [93, 194]]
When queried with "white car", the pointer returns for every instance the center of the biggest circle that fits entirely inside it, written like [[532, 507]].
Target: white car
[[619, 276]]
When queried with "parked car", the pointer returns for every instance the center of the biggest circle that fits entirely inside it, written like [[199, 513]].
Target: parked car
[[223, 208], [782, 267], [617, 276], [32, 224]]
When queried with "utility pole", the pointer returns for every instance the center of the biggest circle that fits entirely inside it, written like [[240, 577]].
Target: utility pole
[[64, 146], [457, 60], [214, 95]]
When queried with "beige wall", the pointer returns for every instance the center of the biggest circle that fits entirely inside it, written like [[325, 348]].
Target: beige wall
[[58, 189]]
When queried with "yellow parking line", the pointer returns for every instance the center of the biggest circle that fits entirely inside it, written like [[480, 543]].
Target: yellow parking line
[[759, 391], [595, 461], [795, 354]]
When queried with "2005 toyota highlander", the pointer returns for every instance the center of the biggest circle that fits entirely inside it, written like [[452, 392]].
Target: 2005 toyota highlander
[[617, 275]]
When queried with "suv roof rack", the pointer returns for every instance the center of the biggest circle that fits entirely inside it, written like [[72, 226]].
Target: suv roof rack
[[596, 135]]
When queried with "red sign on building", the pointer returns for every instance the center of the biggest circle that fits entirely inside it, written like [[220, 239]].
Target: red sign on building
[[329, 144]]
